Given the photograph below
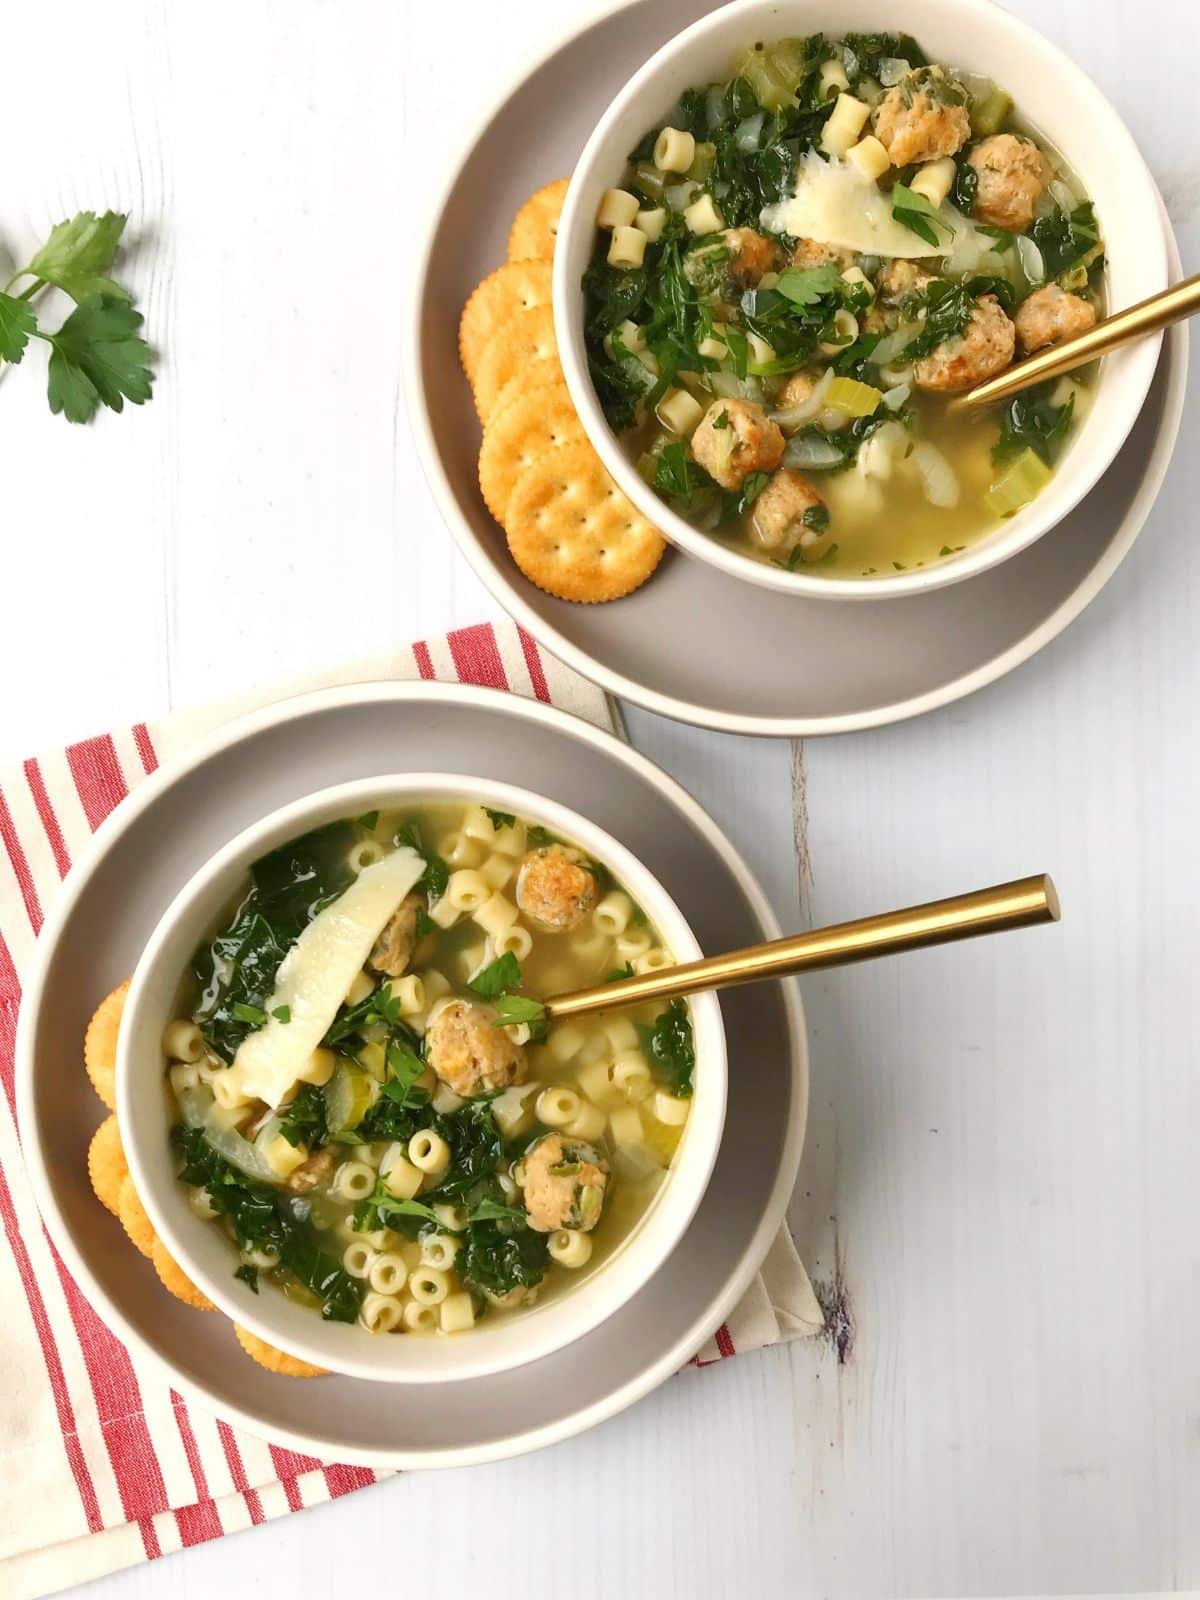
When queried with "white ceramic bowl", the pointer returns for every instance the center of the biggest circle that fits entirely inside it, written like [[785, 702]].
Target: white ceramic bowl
[[496, 1344], [1050, 92]]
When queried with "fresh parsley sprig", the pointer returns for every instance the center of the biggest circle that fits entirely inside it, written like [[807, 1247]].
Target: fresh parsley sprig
[[97, 356]]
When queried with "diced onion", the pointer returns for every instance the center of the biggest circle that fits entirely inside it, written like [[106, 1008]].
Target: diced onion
[[1032, 263], [892, 69], [816, 454], [728, 386], [1061, 194], [747, 134], [896, 397], [878, 454], [796, 416], [239, 1152], [938, 477], [891, 344]]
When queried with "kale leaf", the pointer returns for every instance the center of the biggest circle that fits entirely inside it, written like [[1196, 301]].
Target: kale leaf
[[668, 1043], [1032, 421], [503, 1255], [1064, 238], [303, 1120]]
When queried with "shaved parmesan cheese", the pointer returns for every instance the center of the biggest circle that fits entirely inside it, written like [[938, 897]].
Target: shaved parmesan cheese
[[835, 204], [316, 973]]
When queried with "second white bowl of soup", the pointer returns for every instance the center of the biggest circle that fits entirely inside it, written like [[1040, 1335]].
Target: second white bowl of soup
[[793, 239], [347, 1119]]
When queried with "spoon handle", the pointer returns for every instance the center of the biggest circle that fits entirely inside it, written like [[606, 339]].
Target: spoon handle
[[1136, 322], [1022, 904]]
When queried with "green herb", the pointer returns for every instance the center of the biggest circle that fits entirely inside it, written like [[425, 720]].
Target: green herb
[[265, 1217], [500, 819], [498, 977], [303, 1120], [752, 486], [369, 820], [97, 356], [489, 1210], [248, 1275], [514, 1009], [437, 874], [282, 1013], [618, 973], [668, 1044], [721, 421], [900, 566], [919, 215], [1065, 238], [862, 53], [404, 1067], [379, 1007], [248, 1013], [949, 308], [965, 187], [501, 1256], [424, 924], [807, 285], [1032, 421], [382, 1209], [816, 518]]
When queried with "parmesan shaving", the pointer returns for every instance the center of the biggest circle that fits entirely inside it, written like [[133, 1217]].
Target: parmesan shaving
[[316, 973]]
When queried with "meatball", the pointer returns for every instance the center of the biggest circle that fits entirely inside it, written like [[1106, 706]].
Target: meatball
[[469, 1053], [394, 948], [730, 262], [312, 1173], [555, 888], [982, 350], [564, 1185], [1050, 315], [734, 439], [810, 253], [1012, 175], [923, 118], [787, 509], [899, 279], [796, 391]]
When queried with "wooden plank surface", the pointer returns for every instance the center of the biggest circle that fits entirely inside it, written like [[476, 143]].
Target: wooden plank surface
[[999, 1196]]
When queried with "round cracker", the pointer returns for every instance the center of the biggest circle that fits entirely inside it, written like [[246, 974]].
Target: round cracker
[[535, 226], [100, 1045], [526, 337], [275, 1360], [134, 1219], [107, 1168], [574, 534], [517, 434], [516, 286], [541, 374], [176, 1279]]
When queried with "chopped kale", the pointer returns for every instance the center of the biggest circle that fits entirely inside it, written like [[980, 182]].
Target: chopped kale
[[669, 1046], [1065, 238], [304, 1119], [1032, 421]]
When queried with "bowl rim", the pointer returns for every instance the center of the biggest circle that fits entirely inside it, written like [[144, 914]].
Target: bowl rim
[[544, 1329], [125, 816], [1129, 382]]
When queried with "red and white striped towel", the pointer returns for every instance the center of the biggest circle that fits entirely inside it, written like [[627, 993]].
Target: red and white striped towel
[[101, 1465]]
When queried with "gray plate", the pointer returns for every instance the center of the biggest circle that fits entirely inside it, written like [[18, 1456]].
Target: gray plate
[[173, 823], [773, 664]]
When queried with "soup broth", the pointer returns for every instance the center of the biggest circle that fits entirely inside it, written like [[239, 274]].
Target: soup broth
[[425, 1150], [799, 271]]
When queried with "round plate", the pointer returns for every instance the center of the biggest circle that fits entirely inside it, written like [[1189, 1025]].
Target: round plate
[[776, 664], [171, 825]]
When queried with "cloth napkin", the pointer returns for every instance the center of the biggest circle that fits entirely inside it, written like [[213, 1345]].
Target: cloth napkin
[[102, 1465]]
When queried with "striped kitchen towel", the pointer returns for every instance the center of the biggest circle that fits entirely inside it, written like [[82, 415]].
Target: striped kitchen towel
[[101, 1464]]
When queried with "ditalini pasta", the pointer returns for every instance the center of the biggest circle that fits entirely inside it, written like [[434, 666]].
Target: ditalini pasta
[[844, 234], [369, 1098]]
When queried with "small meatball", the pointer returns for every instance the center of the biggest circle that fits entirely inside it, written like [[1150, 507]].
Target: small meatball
[[1050, 315], [312, 1173], [734, 439], [469, 1053], [980, 352], [810, 253], [729, 262], [923, 118], [564, 1185], [899, 279], [394, 948], [796, 391], [554, 888], [780, 510], [1012, 175]]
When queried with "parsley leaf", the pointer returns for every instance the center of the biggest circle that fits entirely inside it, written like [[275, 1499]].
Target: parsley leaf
[[617, 973], [98, 359], [282, 1013], [77, 255], [919, 215], [668, 1043], [489, 1210], [500, 819], [255, 1015], [498, 977], [804, 286], [514, 1009], [17, 322]]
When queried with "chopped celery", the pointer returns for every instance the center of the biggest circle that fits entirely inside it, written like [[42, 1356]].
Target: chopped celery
[[1018, 484], [774, 72], [648, 180], [852, 397], [349, 1095], [989, 112], [702, 162]]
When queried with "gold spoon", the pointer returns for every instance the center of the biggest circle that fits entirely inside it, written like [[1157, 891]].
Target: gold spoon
[[1123, 327], [1021, 904]]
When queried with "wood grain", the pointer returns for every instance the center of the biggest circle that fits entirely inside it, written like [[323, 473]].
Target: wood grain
[[999, 1196]]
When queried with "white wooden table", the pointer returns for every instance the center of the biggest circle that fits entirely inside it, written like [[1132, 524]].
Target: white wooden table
[[1000, 1193]]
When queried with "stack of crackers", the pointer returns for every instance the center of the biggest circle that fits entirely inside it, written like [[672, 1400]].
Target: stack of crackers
[[114, 1188], [569, 528]]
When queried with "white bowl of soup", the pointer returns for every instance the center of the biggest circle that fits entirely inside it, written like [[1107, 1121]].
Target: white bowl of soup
[[785, 251], [344, 1110]]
